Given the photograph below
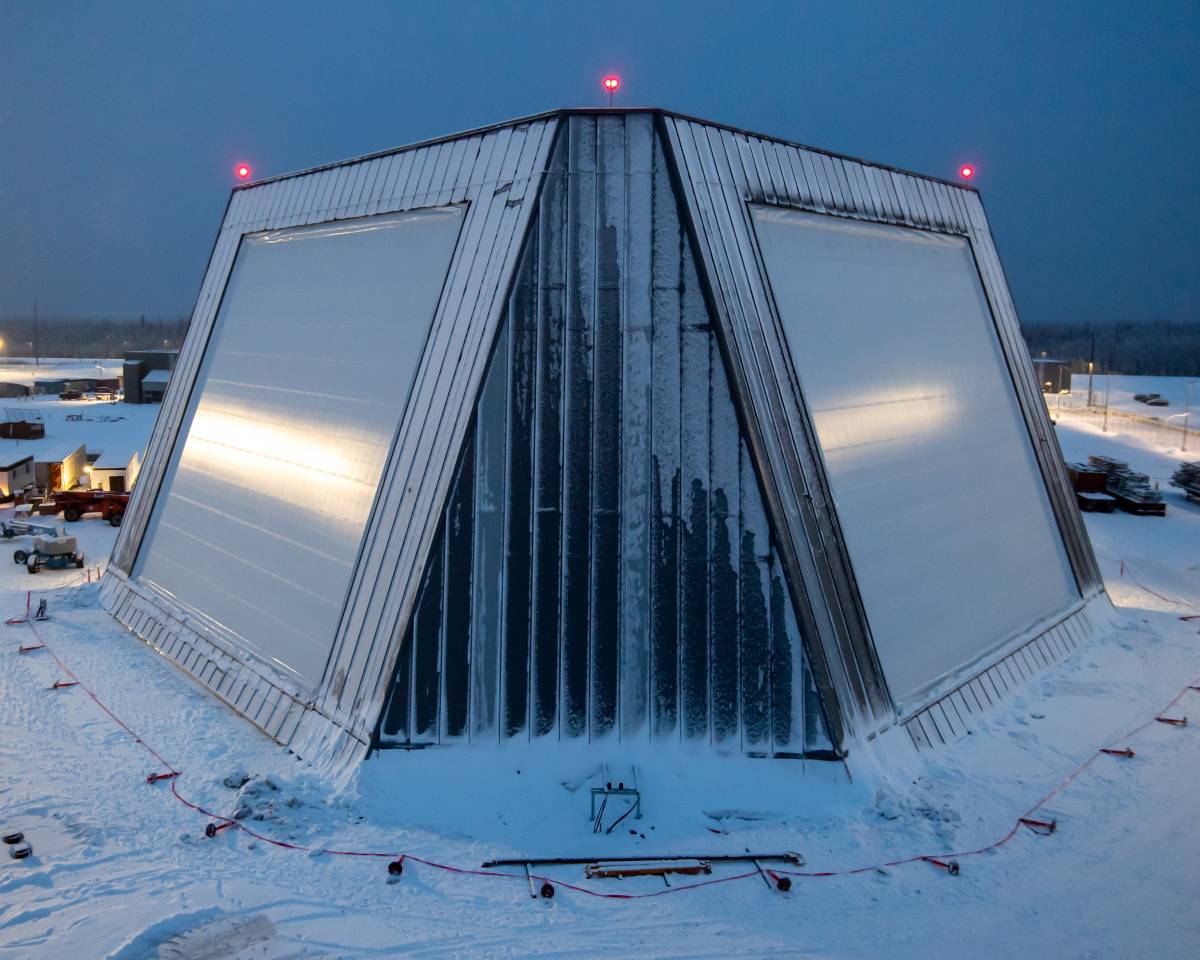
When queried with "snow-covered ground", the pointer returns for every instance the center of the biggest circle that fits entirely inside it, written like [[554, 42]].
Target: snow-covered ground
[[113, 428], [122, 870], [1121, 390], [25, 370]]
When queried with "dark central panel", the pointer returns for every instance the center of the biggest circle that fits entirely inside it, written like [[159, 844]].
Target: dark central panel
[[605, 566]]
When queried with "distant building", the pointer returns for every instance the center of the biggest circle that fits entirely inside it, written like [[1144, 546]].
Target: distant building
[[16, 476], [57, 385], [9, 390], [18, 424], [60, 469], [146, 374], [1053, 376]]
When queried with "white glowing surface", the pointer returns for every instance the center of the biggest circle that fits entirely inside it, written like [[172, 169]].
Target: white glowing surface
[[950, 530], [306, 376]]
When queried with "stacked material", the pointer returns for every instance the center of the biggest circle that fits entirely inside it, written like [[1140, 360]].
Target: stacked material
[[1187, 478], [1086, 479], [1123, 482]]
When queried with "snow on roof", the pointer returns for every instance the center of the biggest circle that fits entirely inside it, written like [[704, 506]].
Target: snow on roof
[[116, 458], [156, 377], [59, 452], [16, 463]]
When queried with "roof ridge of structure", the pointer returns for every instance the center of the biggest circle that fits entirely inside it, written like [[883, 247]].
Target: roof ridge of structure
[[600, 111]]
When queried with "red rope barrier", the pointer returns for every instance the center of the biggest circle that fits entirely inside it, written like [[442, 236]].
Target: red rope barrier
[[946, 861]]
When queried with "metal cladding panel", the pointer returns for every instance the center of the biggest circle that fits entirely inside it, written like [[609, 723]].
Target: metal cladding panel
[[723, 172], [280, 453], [934, 475], [604, 567], [496, 173]]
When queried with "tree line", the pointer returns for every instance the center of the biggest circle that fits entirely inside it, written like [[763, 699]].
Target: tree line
[[1158, 348], [87, 338]]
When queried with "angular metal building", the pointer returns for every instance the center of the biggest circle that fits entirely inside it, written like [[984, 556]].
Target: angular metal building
[[605, 424]]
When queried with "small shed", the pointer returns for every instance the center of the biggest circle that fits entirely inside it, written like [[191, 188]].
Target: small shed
[[61, 468], [21, 424], [115, 470], [16, 476], [9, 389]]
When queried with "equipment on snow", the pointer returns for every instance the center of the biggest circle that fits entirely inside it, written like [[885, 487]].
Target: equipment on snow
[[54, 553], [646, 868], [788, 856]]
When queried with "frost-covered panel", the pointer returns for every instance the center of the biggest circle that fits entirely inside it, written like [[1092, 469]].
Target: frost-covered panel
[[306, 375], [946, 516], [610, 568]]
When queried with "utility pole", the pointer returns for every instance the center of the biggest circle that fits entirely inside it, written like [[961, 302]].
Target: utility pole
[[1091, 367], [1187, 415], [1107, 385], [36, 361]]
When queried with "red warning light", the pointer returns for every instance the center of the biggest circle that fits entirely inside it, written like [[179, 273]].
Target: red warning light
[[243, 171], [966, 171], [612, 83]]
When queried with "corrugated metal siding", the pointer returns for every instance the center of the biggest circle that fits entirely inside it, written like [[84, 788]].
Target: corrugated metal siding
[[496, 172], [948, 717], [605, 566], [722, 171]]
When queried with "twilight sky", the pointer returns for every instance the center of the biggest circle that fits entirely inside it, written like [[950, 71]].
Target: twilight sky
[[120, 124]]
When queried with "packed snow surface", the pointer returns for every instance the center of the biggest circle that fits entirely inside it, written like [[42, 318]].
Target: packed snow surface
[[121, 870]]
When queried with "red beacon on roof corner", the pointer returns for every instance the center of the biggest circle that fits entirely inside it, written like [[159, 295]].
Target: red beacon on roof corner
[[242, 171], [611, 83], [966, 171]]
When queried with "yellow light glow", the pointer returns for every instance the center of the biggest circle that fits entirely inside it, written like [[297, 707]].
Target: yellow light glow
[[293, 461], [881, 417]]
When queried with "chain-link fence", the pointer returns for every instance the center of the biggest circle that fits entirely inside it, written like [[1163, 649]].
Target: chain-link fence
[[1176, 431]]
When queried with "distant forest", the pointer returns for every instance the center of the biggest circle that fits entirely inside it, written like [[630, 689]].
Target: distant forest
[[1148, 347], [1156, 348], [90, 339]]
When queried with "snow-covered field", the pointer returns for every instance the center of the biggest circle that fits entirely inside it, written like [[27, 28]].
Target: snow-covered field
[[1121, 390], [122, 870], [113, 428]]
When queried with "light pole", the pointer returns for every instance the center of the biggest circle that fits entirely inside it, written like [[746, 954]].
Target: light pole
[[1091, 367], [1187, 414]]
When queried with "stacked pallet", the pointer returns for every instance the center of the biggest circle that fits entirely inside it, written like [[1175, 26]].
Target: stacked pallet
[[1132, 490], [1187, 478]]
